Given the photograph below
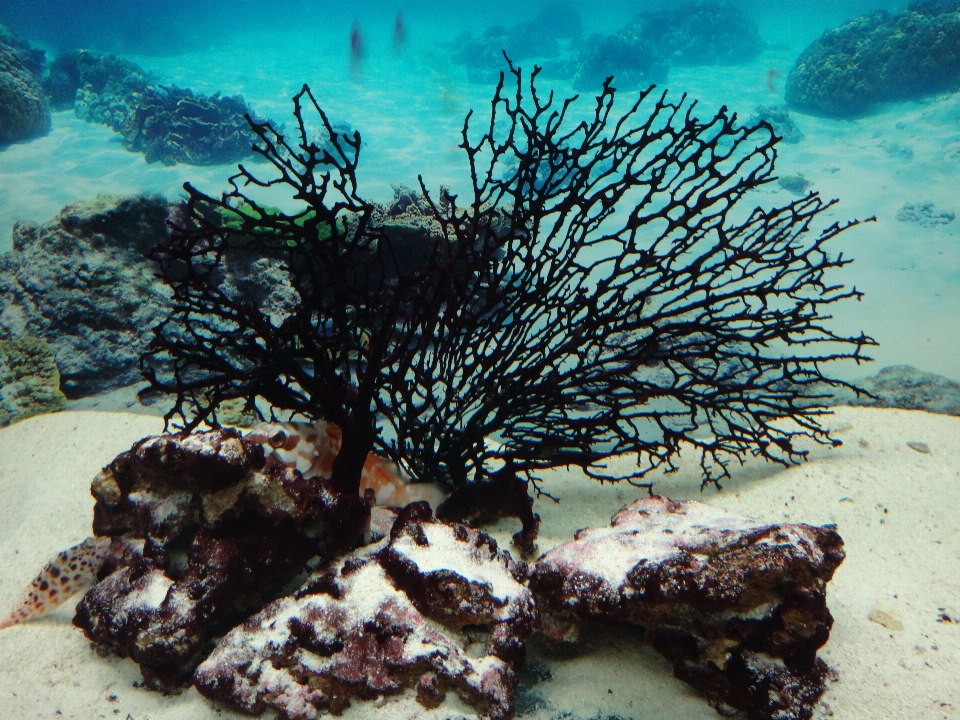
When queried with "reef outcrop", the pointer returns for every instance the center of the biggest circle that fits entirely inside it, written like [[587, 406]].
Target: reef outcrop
[[24, 114], [81, 284], [166, 123], [739, 608], [879, 58]]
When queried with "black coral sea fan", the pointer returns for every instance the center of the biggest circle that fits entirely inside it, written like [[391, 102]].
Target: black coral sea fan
[[603, 290]]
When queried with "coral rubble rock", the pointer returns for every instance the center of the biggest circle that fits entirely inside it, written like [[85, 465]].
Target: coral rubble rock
[[436, 607], [739, 608], [220, 539], [29, 380]]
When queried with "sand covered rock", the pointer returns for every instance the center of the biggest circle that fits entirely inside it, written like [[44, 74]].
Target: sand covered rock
[[220, 538], [879, 58], [436, 607], [739, 608], [24, 114]]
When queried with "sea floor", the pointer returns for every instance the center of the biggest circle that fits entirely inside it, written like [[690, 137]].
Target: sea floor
[[895, 643]]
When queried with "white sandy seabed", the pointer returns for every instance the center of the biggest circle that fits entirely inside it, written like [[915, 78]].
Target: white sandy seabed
[[895, 507]]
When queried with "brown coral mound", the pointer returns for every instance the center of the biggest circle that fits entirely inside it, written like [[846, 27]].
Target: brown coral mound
[[24, 114], [437, 607], [740, 609]]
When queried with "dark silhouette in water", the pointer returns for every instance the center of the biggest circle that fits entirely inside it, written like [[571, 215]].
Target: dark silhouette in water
[[399, 33], [356, 47], [538, 316]]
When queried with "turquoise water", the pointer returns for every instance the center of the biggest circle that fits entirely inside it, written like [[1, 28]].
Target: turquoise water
[[409, 100], [409, 106]]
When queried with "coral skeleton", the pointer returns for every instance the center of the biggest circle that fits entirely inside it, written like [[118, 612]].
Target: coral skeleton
[[606, 288]]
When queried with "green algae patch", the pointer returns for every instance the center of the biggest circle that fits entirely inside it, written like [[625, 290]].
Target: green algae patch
[[29, 380]]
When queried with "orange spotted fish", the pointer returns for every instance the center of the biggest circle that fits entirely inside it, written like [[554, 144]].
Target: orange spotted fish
[[70, 572], [312, 448]]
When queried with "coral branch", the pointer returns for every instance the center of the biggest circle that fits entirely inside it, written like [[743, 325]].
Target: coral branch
[[604, 289]]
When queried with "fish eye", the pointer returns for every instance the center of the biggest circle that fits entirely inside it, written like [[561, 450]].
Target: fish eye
[[278, 439]]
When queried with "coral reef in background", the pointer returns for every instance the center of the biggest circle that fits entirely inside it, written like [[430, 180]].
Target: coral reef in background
[[879, 58], [542, 37], [739, 608], [693, 33], [594, 295], [702, 32], [80, 283], [628, 55], [166, 123], [24, 114], [29, 380]]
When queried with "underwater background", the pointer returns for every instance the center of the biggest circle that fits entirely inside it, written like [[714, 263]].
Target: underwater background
[[405, 75]]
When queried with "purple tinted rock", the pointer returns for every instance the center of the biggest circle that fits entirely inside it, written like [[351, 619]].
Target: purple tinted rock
[[220, 535], [381, 620], [709, 588]]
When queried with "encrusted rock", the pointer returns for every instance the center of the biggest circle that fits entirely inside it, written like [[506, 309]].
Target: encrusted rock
[[220, 538], [81, 284], [733, 605], [435, 608]]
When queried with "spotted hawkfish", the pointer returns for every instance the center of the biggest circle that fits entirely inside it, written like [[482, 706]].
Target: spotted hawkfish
[[71, 571]]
